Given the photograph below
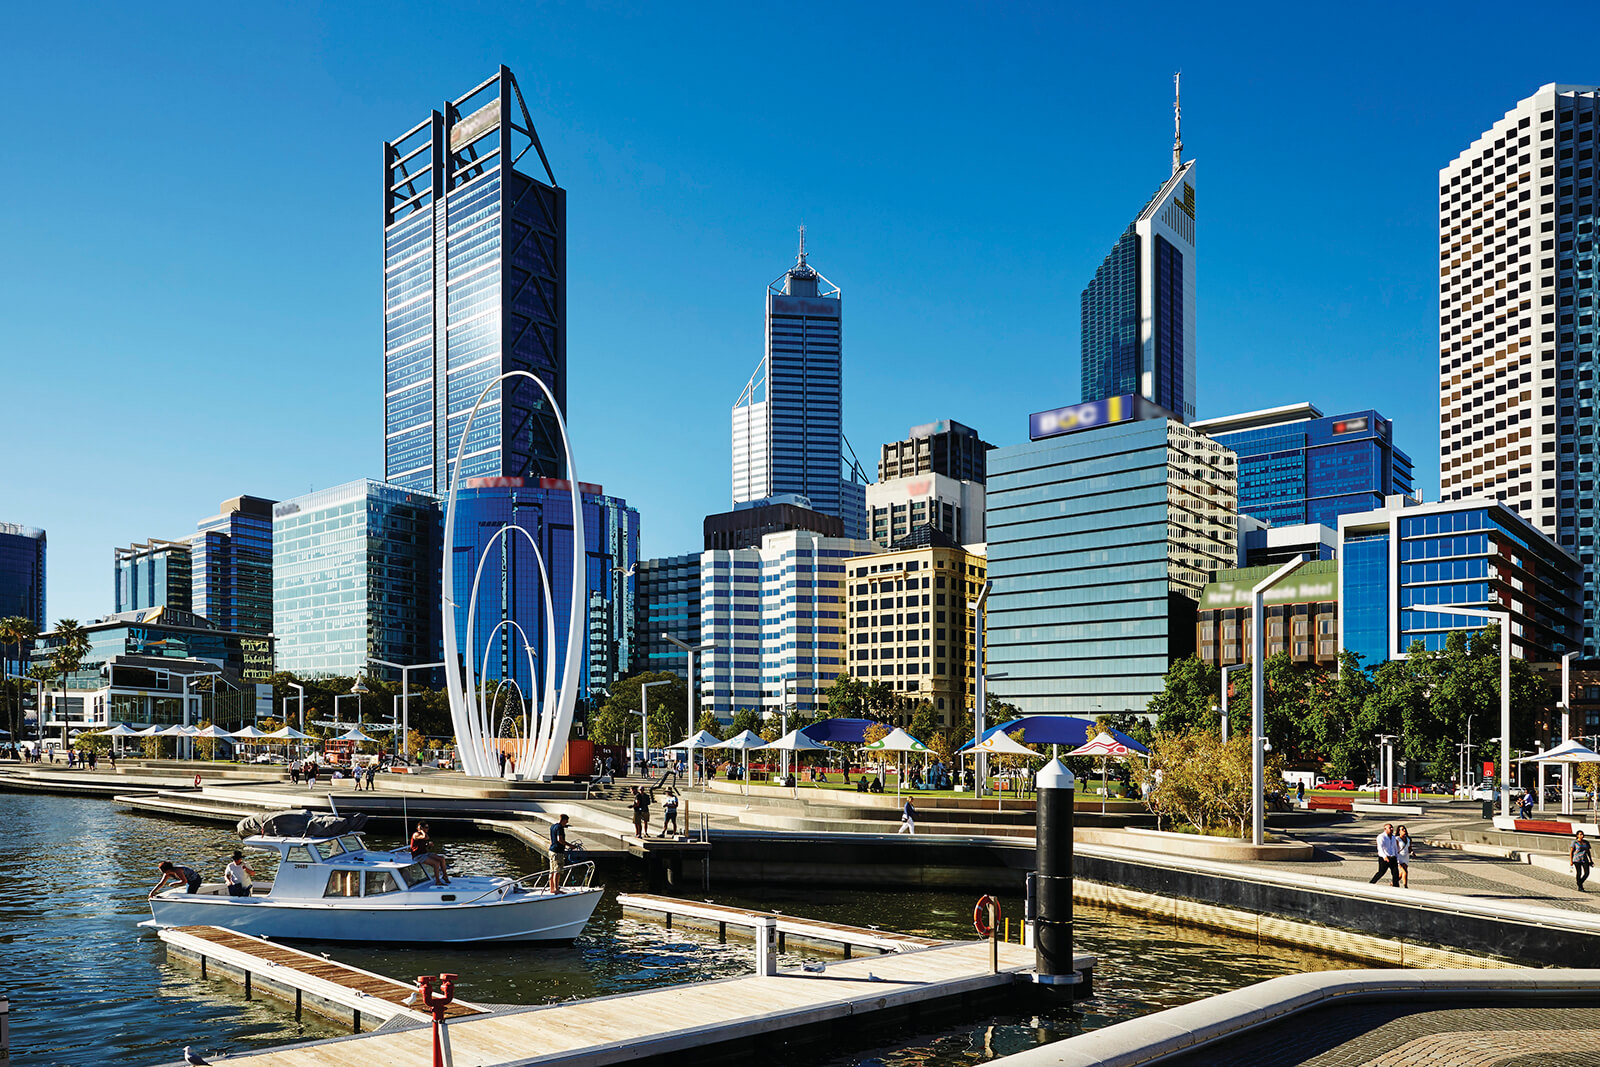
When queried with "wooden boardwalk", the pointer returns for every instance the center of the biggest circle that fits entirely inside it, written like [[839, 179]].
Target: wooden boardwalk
[[792, 931], [309, 982], [667, 1021]]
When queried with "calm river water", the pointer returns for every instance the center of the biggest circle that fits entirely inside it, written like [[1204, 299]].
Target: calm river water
[[88, 986]]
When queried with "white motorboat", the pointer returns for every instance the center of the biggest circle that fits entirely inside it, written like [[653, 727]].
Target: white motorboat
[[330, 887]]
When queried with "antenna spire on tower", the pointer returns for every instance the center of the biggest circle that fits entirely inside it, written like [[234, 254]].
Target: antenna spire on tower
[[1177, 122], [802, 261]]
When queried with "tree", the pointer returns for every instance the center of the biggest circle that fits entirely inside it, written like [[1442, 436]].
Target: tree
[[847, 698], [66, 656], [1336, 717], [1187, 695], [15, 631], [1197, 779], [924, 721], [710, 724], [745, 719]]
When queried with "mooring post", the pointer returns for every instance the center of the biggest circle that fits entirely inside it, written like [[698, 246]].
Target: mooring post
[[766, 945], [5, 1031], [1053, 881]]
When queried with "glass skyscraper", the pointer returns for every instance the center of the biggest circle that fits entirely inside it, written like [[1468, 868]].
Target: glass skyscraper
[[153, 574], [510, 587], [788, 423], [668, 603], [231, 566], [474, 285], [1138, 312], [1297, 465], [22, 587], [355, 577]]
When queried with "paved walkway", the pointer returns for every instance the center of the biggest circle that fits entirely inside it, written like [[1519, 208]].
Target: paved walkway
[[1348, 851], [1397, 1035]]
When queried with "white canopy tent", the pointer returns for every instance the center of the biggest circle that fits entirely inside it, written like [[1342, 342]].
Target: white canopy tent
[[896, 740], [795, 741], [1001, 743], [703, 739], [1568, 752], [742, 742], [1106, 747]]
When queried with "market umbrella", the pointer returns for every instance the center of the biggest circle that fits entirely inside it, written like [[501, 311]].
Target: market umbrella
[[897, 740], [354, 734], [1105, 746], [122, 729], [288, 733], [1000, 743], [212, 733], [250, 732], [795, 741], [743, 741], [1568, 752], [703, 739]]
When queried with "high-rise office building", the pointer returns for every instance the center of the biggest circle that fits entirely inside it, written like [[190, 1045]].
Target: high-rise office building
[[1102, 534], [355, 577], [1401, 568], [775, 618], [22, 585], [510, 590], [945, 447], [153, 574], [1517, 351], [231, 566], [1139, 310], [1297, 465], [1302, 615], [666, 603], [933, 477], [788, 423], [474, 285]]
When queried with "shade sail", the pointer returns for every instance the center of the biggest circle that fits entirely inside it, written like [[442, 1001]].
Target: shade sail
[[797, 741], [1058, 730], [213, 733], [1003, 744], [288, 733], [1104, 745], [840, 731], [250, 732], [122, 729], [897, 740], [703, 739], [743, 740], [1566, 752]]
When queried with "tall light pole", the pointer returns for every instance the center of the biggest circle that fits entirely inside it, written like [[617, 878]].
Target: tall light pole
[[1566, 733], [1258, 727], [691, 694], [1504, 619], [300, 695], [405, 691], [644, 717], [980, 704], [1225, 692]]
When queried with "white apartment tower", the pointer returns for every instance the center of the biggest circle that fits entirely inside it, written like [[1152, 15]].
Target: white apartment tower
[[1517, 353], [788, 423]]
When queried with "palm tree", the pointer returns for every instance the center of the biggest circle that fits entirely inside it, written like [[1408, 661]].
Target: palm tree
[[66, 656], [15, 631]]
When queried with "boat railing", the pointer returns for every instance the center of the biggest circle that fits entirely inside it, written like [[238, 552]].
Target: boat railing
[[573, 876]]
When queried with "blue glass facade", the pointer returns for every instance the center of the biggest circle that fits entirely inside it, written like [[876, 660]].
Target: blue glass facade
[[1110, 318], [22, 572], [510, 586], [153, 574], [355, 577], [474, 286], [1301, 469], [668, 603], [1099, 543], [1398, 563], [231, 566]]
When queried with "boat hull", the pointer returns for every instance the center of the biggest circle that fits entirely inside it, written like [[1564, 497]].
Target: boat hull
[[521, 917]]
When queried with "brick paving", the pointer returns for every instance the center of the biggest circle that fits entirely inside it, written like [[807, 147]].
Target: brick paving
[[1397, 1035]]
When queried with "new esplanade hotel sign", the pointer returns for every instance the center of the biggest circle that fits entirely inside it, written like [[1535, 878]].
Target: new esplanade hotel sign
[[1130, 407]]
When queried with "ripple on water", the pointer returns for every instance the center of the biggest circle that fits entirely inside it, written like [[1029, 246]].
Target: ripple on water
[[88, 986]]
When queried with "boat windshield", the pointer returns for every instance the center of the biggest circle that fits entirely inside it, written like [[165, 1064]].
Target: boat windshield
[[414, 874], [353, 843], [328, 849]]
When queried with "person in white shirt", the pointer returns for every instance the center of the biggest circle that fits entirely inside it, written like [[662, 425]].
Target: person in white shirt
[[1388, 856], [238, 876]]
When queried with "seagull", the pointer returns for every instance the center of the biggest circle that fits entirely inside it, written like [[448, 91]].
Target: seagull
[[193, 1058], [872, 977], [412, 999]]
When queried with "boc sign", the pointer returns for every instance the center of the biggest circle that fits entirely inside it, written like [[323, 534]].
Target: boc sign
[[1081, 416]]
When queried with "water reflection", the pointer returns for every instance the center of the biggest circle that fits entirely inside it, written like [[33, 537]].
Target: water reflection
[[88, 986]]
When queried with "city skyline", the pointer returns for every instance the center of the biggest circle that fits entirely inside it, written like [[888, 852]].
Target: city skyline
[[271, 415]]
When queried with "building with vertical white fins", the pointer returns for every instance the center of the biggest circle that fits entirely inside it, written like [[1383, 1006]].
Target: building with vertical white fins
[[788, 423], [1517, 352]]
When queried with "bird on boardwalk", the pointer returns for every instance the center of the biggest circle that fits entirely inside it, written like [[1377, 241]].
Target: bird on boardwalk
[[193, 1058], [412, 999]]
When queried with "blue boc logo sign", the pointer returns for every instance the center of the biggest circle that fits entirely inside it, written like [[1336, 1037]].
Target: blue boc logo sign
[[1080, 417]]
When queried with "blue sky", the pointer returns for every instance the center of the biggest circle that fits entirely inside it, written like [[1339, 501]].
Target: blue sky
[[191, 228]]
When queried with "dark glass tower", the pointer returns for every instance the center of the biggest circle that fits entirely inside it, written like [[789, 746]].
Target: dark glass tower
[[475, 284]]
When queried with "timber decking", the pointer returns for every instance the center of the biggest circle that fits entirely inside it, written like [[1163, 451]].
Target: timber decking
[[717, 917]]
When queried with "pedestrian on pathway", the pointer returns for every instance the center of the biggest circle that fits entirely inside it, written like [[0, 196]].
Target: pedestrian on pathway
[[669, 814], [502, 763], [372, 775], [294, 772], [1388, 855], [641, 813], [1581, 858], [1300, 792], [311, 775], [1527, 805], [1402, 855], [908, 819]]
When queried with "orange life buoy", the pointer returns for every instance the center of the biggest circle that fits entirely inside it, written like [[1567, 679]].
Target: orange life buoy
[[980, 915]]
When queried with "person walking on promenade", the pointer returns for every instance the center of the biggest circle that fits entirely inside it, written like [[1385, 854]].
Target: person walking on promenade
[[1581, 858], [1388, 854], [1402, 855], [372, 775], [641, 813], [669, 814], [908, 819]]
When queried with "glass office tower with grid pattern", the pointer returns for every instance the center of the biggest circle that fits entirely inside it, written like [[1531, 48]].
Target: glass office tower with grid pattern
[[22, 586], [474, 285]]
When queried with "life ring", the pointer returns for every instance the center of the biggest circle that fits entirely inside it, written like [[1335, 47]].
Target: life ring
[[980, 915], [197, 781]]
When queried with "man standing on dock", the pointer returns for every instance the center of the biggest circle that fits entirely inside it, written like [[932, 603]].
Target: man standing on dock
[[558, 851], [1388, 856]]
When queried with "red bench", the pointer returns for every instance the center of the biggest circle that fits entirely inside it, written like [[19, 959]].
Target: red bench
[[1542, 826], [1329, 803]]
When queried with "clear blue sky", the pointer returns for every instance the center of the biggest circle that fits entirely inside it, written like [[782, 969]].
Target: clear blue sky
[[189, 289]]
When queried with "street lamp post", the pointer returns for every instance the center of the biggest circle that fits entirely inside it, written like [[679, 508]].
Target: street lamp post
[[980, 704], [1566, 734], [1258, 656], [691, 692], [1386, 744], [300, 695], [644, 718], [1226, 691], [1504, 619], [405, 693]]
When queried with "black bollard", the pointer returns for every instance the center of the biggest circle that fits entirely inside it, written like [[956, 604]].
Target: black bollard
[[1052, 929]]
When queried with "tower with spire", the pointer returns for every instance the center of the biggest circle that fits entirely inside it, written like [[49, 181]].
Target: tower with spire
[[788, 423], [1138, 312]]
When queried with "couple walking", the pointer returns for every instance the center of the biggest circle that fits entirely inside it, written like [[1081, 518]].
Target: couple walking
[[1394, 856]]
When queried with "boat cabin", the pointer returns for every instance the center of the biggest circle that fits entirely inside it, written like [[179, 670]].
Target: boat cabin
[[338, 867]]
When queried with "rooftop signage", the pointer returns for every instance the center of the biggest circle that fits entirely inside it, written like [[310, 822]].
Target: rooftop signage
[[1296, 589], [1125, 408]]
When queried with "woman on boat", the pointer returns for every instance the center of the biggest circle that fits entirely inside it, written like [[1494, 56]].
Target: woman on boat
[[424, 852], [178, 875]]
